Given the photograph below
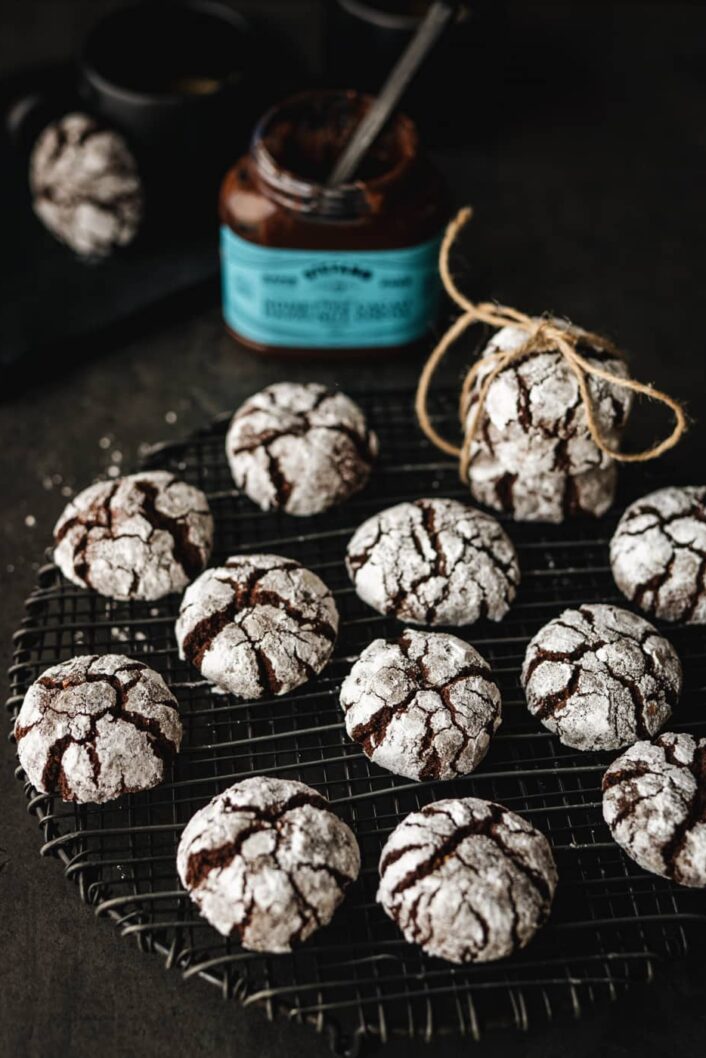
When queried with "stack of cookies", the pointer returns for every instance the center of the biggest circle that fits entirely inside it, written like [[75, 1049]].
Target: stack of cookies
[[534, 457]]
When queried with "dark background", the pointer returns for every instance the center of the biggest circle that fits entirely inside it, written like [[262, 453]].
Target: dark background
[[34, 33], [583, 148]]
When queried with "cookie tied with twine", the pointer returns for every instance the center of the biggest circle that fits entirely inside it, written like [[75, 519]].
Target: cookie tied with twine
[[543, 409]]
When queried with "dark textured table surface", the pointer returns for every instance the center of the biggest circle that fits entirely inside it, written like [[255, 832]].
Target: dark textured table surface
[[588, 178]]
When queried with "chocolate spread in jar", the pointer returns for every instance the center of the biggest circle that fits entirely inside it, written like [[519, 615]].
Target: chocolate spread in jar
[[312, 269]]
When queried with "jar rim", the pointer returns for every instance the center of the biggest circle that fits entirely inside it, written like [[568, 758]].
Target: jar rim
[[310, 195]]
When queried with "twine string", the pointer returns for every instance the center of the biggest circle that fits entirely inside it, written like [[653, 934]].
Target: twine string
[[541, 335]]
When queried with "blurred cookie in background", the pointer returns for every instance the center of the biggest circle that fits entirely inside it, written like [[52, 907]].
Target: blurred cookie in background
[[85, 186]]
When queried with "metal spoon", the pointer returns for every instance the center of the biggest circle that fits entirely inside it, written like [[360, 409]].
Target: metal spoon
[[429, 31]]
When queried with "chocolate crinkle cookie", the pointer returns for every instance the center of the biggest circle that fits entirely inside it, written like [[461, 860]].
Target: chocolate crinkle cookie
[[658, 554], [434, 562], [137, 537], [423, 706], [600, 677], [96, 727], [260, 625], [467, 880], [300, 448], [85, 186], [533, 456], [267, 861], [654, 801]]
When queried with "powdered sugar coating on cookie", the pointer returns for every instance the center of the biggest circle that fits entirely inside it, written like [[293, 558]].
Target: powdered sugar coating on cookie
[[601, 677], [423, 706], [267, 861], [138, 537], [434, 562], [300, 448], [260, 625], [85, 185], [467, 880], [658, 554], [533, 456], [654, 801], [96, 727]]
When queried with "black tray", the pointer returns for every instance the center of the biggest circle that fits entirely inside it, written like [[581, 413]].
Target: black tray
[[54, 304]]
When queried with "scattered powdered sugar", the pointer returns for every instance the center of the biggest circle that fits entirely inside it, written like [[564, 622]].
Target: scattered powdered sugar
[[467, 880], [54, 481], [434, 562], [267, 861], [423, 706]]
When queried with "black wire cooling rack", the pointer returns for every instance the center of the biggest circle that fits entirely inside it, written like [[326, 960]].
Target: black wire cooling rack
[[357, 979]]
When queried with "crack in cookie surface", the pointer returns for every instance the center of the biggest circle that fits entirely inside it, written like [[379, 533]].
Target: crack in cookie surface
[[434, 562], [267, 861], [533, 456], [300, 448], [658, 554], [467, 880], [600, 677], [654, 802], [140, 537], [259, 625], [96, 727], [423, 706]]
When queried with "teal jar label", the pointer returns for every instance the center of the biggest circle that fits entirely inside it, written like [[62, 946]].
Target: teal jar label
[[319, 299]]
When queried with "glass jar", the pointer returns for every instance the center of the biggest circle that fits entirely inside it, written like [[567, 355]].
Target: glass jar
[[310, 269]]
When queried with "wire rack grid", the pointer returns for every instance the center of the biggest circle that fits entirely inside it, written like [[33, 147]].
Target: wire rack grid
[[357, 980]]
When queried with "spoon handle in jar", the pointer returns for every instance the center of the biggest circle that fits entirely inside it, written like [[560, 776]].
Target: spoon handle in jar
[[429, 31]]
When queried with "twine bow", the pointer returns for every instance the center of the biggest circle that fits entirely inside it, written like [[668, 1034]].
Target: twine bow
[[541, 335]]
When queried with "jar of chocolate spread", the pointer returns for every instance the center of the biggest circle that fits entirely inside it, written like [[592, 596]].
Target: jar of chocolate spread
[[308, 268]]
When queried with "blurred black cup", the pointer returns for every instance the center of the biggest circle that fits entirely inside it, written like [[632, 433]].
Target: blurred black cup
[[183, 81]]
